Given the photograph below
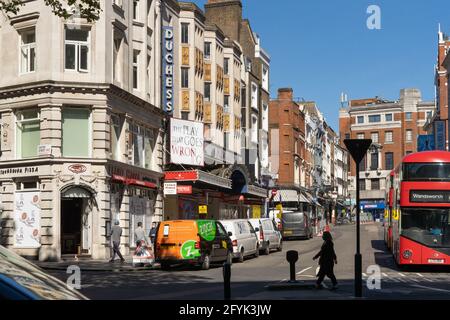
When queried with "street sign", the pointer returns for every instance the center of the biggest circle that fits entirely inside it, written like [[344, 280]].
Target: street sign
[[203, 209], [358, 148], [274, 192], [184, 189], [170, 188]]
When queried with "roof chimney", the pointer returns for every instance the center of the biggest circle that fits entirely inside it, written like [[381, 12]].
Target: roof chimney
[[285, 94]]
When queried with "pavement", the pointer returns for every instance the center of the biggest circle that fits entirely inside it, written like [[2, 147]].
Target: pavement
[[96, 266], [252, 279]]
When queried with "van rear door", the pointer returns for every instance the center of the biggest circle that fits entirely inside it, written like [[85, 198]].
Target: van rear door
[[173, 235], [292, 223]]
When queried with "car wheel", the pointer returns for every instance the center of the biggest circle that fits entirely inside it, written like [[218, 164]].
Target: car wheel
[[241, 256], [165, 266], [267, 250], [257, 251], [280, 247], [206, 262]]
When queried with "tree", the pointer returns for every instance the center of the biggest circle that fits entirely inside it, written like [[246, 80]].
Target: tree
[[88, 9]]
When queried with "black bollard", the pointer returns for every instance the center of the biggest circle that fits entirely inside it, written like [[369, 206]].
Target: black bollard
[[292, 258], [227, 280]]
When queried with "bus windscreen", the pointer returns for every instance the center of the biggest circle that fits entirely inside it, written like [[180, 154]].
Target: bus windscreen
[[426, 172]]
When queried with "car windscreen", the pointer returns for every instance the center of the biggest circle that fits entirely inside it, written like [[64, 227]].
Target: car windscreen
[[33, 278]]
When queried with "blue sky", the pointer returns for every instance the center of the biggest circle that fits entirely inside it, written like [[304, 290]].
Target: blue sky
[[322, 48]]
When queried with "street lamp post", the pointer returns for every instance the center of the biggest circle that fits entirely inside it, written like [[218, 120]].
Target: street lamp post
[[358, 148]]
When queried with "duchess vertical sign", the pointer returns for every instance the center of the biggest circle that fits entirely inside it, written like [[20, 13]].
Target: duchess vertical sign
[[167, 72]]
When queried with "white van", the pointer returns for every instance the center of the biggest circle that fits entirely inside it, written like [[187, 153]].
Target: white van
[[244, 238], [269, 236]]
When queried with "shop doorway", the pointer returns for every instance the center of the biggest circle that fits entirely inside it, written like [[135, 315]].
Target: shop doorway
[[71, 214], [77, 206]]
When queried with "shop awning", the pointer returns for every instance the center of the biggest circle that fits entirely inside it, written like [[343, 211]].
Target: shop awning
[[257, 191], [198, 176], [304, 199], [133, 182], [286, 196]]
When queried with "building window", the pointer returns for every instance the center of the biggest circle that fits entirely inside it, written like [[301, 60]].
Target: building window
[[362, 184], [360, 136], [408, 152], [254, 129], [226, 102], [265, 117], [135, 69], [388, 117], [27, 51], [265, 78], [429, 114], [408, 116], [360, 119], [362, 164], [117, 57], [374, 118], [374, 137], [226, 63], [185, 33], [374, 161], [375, 184], [388, 136], [27, 185], [185, 77], [77, 50], [143, 145], [409, 135], [28, 133], [76, 132], [116, 131], [207, 91], [389, 161], [135, 9], [254, 101], [207, 50], [149, 147], [347, 136]]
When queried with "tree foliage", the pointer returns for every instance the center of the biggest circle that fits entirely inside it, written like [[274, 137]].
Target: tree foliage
[[88, 9]]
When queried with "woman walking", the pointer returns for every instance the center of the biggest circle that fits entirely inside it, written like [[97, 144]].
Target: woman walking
[[326, 262]]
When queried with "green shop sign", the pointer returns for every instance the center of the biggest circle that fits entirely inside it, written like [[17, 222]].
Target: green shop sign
[[207, 229]]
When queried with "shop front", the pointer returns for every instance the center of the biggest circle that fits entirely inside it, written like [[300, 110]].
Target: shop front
[[375, 208], [54, 210], [222, 198]]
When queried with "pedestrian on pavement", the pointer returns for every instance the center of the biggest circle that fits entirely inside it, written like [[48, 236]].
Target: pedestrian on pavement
[[139, 235], [115, 234], [152, 234], [327, 261]]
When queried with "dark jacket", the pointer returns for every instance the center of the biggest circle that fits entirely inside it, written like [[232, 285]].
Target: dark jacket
[[326, 254]]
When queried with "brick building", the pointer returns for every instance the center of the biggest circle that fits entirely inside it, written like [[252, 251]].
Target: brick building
[[435, 125], [393, 127]]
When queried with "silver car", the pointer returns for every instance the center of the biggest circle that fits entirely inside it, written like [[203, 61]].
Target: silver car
[[22, 280], [268, 235]]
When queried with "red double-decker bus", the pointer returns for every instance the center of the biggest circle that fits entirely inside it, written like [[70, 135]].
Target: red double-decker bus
[[421, 206], [387, 223]]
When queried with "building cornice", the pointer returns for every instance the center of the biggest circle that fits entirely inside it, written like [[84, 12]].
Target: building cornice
[[42, 87]]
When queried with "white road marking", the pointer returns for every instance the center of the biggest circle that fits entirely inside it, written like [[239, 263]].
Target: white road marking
[[419, 275], [385, 275], [430, 288], [300, 272], [401, 274], [365, 275], [317, 270], [307, 276]]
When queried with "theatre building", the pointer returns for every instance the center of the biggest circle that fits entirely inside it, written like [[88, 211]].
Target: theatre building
[[81, 130]]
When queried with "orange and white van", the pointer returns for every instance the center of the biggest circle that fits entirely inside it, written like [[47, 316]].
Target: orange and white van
[[194, 242]]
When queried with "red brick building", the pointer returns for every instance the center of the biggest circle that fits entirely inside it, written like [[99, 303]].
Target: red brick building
[[287, 139], [442, 94], [393, 127]]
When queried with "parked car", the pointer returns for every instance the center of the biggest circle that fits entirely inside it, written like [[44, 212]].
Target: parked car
[[22, 280], [269, 236], [244, 238], [296, 225], [193, 242]]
